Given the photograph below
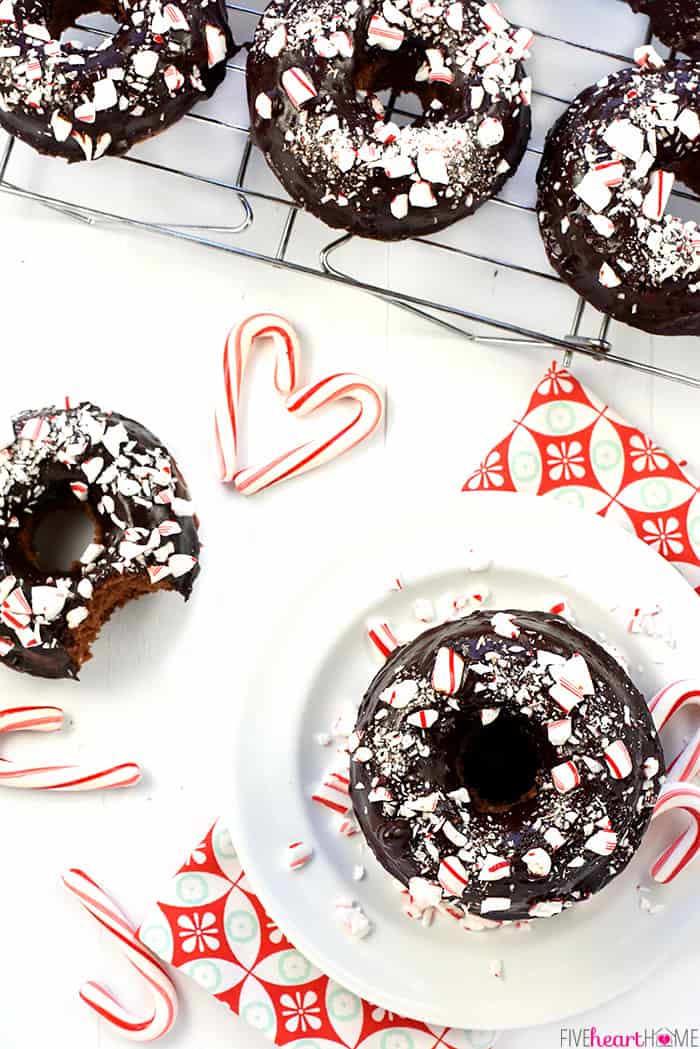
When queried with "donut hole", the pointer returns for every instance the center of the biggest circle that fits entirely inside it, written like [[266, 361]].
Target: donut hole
[[65, 13], [59, 536], [393, 81], [499, 763]]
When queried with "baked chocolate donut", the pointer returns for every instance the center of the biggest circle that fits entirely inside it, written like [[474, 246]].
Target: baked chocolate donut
[[145, 531], [81, 103], [606, 173], [504, 766], [314, 71], [675, 22]]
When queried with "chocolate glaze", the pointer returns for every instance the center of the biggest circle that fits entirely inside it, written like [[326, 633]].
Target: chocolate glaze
[[636, 268], [675, 22], [81, 103], [127, 482], [505, 765], [333, 152]]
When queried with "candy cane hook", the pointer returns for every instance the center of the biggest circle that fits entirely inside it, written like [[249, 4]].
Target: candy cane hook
[[237, 349], [56, 777], [308, 456], [679, 854], [111, 918], [663, 707]]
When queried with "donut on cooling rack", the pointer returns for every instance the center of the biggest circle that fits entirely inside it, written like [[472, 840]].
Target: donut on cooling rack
[[608, 168], [675, 22], [314, 72], [504, 766], [80, 103], [145, 539]]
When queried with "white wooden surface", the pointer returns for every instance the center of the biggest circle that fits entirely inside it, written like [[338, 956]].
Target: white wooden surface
[[137, 323]]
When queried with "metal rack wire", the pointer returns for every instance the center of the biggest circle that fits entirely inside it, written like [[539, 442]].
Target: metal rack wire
[[265, 226]]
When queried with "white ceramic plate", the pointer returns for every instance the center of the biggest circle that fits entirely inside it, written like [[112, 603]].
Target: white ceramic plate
[[317, 661]]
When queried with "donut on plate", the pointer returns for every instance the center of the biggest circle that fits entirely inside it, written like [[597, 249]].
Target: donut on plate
[[314, 74], [128, 485], [504, 766], [675, 22], [80, 103], [607, 171]]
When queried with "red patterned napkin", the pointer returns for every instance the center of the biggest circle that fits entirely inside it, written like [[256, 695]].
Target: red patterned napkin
[[569, 445], [210, 925]]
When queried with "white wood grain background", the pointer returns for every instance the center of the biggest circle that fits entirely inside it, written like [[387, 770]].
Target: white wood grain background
[[137, 323]]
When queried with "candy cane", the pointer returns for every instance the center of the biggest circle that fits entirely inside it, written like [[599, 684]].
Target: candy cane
[[237, 349], [56, 777], [679, 854], [663, 707], [111, 918], [315, 453]]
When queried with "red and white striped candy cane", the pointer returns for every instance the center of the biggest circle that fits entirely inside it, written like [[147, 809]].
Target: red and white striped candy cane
[[678, 855], [56, 777], [237, 349], [663, 707], [107, 913], [370, 410]]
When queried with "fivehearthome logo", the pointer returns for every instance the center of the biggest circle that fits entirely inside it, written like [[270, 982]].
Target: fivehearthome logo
[[645, 1038]]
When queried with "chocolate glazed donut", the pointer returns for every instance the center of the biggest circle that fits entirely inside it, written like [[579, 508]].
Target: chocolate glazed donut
[[504, 766], [80, 103], [675, 22], [313, 75], [608, 167]]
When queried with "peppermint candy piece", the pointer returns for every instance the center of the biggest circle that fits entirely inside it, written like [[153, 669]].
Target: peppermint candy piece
[[495, 903], [546, 908], [660, 186], [298, 86], [558, 732], [424, 894], [494, 869], [492, 17], [490, 132], [489, 714], [423, 718], [538, 862], [447, 671], [352, 919], [688, 123], [572, 681], [277, 42], [607, 276], [618, 760], [455, 17], [504, 625], [400, 694], [173, 79], [625, 137], [610, 172], [381, 34], [421, 195], [452, 876], [603, 842], [593, 192], [565, 777], [297, 855], [334, 792], [382, 638]]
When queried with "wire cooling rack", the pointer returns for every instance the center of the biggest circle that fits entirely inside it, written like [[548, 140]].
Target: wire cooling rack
[[486, 277]]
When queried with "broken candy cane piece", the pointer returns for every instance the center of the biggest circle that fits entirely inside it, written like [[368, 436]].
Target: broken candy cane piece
[[382, 638], [56, 777], [111, 918], [297, 855]]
